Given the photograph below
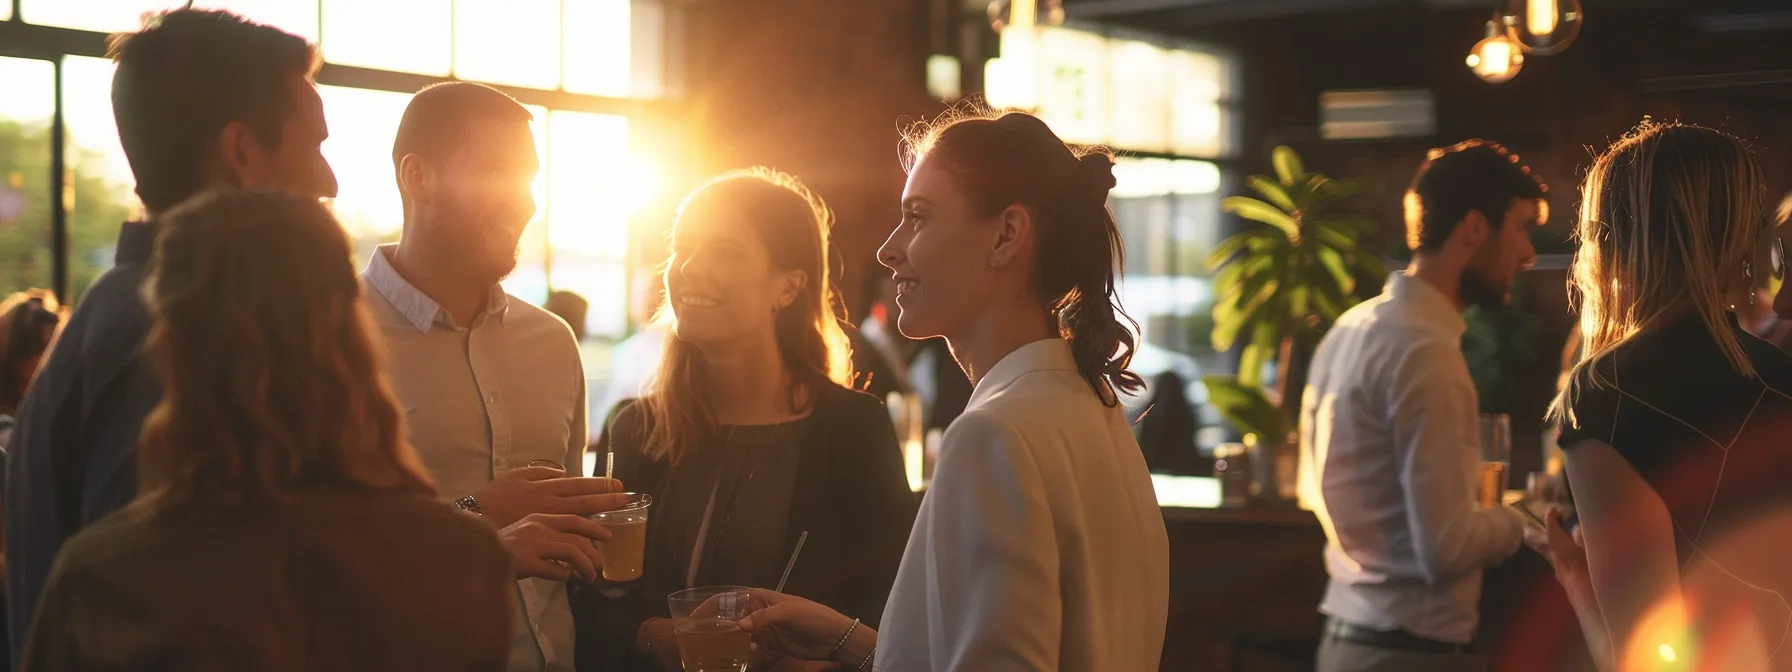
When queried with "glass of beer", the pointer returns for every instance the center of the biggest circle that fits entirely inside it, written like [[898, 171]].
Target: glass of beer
[[1496, 457], [628, 538], [704, 621]]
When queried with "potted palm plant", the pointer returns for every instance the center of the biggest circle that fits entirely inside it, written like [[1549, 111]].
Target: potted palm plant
[[1279, 285]]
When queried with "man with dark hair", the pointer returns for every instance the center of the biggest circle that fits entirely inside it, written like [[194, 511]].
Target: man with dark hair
[[1390, 426], [202, 99], [492, 387]]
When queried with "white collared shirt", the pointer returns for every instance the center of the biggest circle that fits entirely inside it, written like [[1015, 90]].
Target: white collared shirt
[[1390, 452], [483, 399], [1040, 545]]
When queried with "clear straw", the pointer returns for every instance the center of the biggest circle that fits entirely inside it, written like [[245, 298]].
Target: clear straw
[[792, 564], [610, 468]]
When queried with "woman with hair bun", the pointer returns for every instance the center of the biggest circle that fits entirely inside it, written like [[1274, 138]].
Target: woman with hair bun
[[1040, 545]]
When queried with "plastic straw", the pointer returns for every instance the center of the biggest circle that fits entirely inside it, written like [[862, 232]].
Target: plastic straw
[[792, 564]]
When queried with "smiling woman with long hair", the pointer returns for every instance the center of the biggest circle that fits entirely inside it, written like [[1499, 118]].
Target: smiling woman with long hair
[[750, 436], [282, 521]]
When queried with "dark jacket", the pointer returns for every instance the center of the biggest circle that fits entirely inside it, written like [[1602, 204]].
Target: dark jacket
[[851, 495], [340, 578], [73, 457]]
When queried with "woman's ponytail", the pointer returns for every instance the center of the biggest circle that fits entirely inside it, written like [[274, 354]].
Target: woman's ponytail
[[1015, 158]]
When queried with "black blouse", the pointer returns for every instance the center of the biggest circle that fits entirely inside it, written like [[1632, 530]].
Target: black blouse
[[1714, 444], [836, 474], [719, 517]]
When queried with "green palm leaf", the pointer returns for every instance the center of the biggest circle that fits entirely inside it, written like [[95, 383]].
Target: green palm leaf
[[1288, 165], [1334, 264], [1272, 192], [1258, 211], [1335, 240], [1245, 406]]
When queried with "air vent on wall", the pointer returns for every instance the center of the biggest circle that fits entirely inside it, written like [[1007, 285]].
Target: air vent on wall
[[1377, 114]]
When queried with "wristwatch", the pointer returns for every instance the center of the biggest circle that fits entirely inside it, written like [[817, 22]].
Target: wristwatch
[[469, 505]]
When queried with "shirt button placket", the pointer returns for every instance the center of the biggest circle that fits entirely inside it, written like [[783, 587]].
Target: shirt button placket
[[481, 352]]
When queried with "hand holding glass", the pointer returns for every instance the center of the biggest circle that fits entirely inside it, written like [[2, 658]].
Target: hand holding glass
[[704, 621]]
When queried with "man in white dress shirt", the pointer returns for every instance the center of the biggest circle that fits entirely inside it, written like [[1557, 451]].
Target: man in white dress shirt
[[1390, 427], [492, 386]]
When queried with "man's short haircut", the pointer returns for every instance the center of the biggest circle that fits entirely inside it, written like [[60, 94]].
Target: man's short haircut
[[1472, 175], [185, 76], [436, 121]]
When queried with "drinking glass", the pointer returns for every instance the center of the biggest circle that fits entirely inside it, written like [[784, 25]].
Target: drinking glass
[[704, 621], [1496, 457], [628, 538]]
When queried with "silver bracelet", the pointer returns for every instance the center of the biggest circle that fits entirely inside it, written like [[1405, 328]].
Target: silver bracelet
[[866, 663], [469, 505], [843, 638]]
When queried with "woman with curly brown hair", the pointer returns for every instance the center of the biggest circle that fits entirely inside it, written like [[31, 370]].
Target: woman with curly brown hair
[[282, 521]]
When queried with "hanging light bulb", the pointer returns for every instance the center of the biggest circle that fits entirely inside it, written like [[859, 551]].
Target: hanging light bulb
[[1004, 13], [1496, 58], [1543, 27]]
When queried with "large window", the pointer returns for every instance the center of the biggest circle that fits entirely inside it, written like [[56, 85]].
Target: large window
[[1170, 108], [25, 191], [577, 51], [580, 66]]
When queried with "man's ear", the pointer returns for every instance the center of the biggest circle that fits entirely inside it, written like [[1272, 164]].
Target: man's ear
[[236, 154], [1014, 231], [415, 182], [1474, 229]]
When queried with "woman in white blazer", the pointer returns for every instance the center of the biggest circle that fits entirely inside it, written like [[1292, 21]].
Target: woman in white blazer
[[1040, 545]]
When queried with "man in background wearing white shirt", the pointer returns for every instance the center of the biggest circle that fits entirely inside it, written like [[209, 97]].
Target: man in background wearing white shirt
[[1390, 427], [491, 386]]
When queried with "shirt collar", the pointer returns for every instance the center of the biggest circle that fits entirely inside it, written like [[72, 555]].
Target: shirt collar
[[1047, 354], [136, 240], [417, 308], [1426, 302]]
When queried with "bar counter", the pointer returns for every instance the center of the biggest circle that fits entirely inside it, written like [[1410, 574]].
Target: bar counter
[[1245, 585]]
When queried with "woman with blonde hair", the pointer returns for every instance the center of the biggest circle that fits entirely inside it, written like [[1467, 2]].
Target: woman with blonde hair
[[750, 436], [282, 521], [1676, 420]]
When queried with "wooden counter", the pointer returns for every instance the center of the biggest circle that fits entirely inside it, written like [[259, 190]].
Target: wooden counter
[[1245, 586]]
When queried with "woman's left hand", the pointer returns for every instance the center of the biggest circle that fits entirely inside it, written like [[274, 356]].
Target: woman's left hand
[[795, 627], [1565, 552]]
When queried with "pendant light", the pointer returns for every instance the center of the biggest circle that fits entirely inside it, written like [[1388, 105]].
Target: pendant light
[[1025, 13], [1496, 59], [1543, 27]]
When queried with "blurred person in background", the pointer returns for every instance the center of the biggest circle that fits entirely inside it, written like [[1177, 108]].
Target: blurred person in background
[[1675, 422], [492, 387], [28, 324], [750, 437], [1390, 427], [283, 522], [571, 309], [881, 354], [1040, 544], [634, 359], [202, 99]]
